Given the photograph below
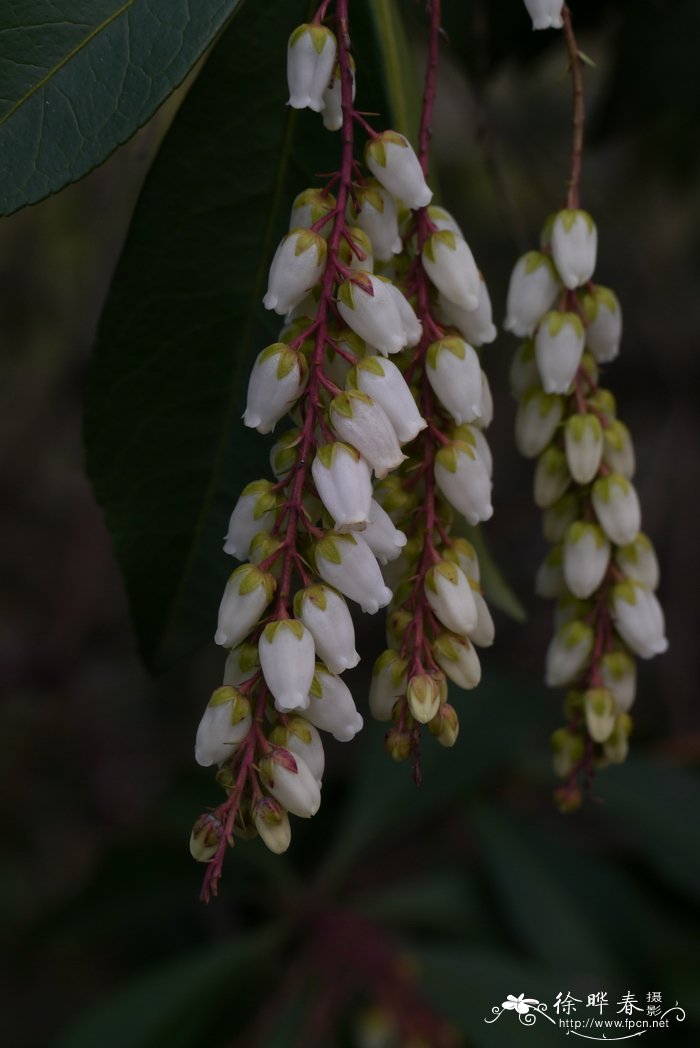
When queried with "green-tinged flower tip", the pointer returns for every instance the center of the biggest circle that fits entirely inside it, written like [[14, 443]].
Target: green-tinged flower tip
[[445, 726], [397, 744]]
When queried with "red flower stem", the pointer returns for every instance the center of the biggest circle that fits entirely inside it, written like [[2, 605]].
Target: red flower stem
[[576, 67]]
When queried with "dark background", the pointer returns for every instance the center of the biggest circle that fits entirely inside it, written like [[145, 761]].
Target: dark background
[[477, 887]]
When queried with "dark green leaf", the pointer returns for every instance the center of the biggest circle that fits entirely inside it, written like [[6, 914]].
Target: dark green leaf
[[78, 77], [167, 453], [496, 588]]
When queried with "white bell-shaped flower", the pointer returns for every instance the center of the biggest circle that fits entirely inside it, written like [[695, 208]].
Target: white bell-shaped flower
[[347, 562], [327, 618], [450, 265], [310, 60], [254, 512], [454, 372], [287, 660], [462, 553], [383, 538], [618, 672], [278, 377], [545, 14], [549, 577], [248, 592], [388, 684], [604, 330], [618, 449], [368, 306], [568, 653], [457, 658], [331, 706], [381, 380], [463, 479], [616, 747], [558, 349], [451, 597], [574, 241], [476, 325], [638, 561], [600, 713], [532, 290], [586, 558], [523, 375], [617, 507], [360, 421], [442, 219], [393, 162], [376, 214], [344, 484], [536, 421], [290, 781], [486, 414], [410, 323], [484, 633], [557, 517], [300, 737], [583, 439], [224, 725], [638, 618], [551, 479], [477, 441], [296, 267], [272, 823], [309, 207], [241, 663], [333, 99], [423, 697]]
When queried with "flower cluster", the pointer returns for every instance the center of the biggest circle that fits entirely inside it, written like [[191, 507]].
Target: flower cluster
[[357, 309], [601, 569]]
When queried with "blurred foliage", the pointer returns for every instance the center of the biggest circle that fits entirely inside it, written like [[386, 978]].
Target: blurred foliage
[[438, 900]]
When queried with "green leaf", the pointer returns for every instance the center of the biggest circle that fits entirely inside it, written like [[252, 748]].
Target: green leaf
[[496, 588], [166, 451], [397, 68], [78, 77], [180, 1004]]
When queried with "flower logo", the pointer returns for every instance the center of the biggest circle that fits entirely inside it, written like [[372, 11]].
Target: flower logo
[[520, 1004]]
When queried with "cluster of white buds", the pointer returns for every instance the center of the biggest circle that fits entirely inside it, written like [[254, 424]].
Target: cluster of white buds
[[360, 355], [601, 569]]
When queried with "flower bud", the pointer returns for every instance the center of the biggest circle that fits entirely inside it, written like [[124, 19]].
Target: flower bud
[[463, 479], [568, 609], [618, 449], [204, 839], [557, 517], [346, 562], [344, 484], [264, 546], [411, 325], [638, 561], [310, 207], [331, 706], [276, 381], [536, 421], [272, 823], [381, 380], [552, 477], [486, 414], [484, 632], [387, 685], [523, 376], [475, 325], [254, 512], [568, 653], [394, 498], [287, 660], [385, 540], [568, 748], [454, 373], [549, 578], [224, 725], [332, 112], [462, 553], [618, 672], [532, 290], [310, 60], [604, 316], [360, 421], [616, 746], [574, 246], [600, 713], [451, 268], [583, 437], [445, 725], [638, 618], [586, 558], [616, 506], [477, 441], [377, 216], [393, 162], [301, 738], [456, 656], [449, 594], [241, 663], [368, 306], [423, 697], [545, 14], [296, 267], [325, 615], [356, 251], [284, 453], [558, 348], [290, 781], [398, 744], [248, 592]]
